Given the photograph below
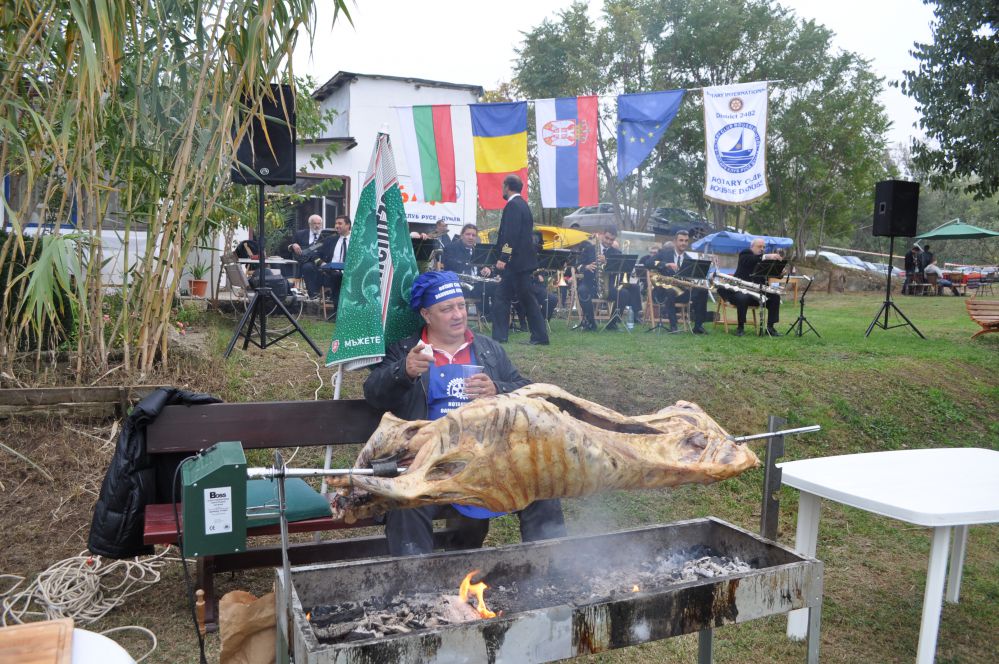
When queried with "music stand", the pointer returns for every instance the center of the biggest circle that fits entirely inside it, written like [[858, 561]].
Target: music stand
[[766, 270], [485, 255], [552, 260], [424, 249], [618, 264], [802, 321], [694, 268], [256, 312]]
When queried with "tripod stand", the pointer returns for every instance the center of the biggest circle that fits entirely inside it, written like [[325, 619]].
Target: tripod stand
[[888, 305], [263, 299], [802, 321]]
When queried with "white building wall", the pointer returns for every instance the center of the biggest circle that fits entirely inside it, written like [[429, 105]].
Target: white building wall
[[372, 104], [339, 100]]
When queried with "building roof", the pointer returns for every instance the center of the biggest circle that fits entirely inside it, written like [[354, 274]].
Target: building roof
[[348, 142], [343, 77]]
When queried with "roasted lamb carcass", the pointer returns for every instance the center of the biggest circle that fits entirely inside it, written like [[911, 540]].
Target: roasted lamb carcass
[[505, 452]]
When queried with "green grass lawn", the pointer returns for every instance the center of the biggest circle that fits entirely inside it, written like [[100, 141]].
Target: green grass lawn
[[890, 391]]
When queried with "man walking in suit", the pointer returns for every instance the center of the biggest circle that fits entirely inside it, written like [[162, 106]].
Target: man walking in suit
[[518, 260]]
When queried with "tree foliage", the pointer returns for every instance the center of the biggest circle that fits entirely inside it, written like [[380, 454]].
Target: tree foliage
[[121, 113], [956, 89], [826, 144]]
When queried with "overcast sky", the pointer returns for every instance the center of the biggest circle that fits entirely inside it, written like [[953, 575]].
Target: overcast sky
[[466, 41]]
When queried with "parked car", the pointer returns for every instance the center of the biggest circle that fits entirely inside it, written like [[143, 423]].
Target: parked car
[[839, 261], [669, 221], [599, 217], [853, 260]]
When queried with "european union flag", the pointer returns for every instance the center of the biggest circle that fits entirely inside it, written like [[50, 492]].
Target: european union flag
[[642, 119]]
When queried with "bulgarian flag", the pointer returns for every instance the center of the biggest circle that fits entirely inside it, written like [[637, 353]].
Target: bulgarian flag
[[429, 147], [499, 136]]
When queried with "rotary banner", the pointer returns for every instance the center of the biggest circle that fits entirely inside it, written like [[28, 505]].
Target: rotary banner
[[735, 137]]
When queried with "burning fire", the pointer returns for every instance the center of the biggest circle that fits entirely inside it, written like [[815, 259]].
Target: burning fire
[[634, 589], [477, 590]]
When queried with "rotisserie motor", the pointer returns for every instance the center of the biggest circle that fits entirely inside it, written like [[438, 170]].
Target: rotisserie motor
[[505, 452]]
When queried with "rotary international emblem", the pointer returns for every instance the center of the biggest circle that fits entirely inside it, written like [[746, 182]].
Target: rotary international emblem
[[565, 133], [735, 104], [456, 388]]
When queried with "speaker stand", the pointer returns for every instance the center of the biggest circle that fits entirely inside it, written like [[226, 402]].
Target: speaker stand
[[256, 312], [888, 305]]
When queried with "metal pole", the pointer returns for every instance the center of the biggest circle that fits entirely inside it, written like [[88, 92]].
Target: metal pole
[[261, 267], [271, 473], [285, 562], [812, 428], [770, 509]]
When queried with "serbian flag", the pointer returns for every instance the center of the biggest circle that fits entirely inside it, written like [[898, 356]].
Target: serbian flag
[[429, 147], [499, 136], [567, 151]]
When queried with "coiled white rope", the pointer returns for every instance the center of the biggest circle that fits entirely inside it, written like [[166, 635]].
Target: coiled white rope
[[85, 588]]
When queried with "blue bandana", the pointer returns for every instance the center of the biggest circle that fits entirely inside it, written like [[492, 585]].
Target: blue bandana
[[431, 288]]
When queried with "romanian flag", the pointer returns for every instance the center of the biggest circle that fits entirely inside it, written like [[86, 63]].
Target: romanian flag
[[429, 147], [499, 135], [567, 151]]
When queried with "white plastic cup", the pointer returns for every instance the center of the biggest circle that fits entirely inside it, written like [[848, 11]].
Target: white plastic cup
[[469, 370]]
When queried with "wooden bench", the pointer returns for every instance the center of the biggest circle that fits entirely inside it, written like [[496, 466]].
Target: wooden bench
[[189, 429], [985, 313]]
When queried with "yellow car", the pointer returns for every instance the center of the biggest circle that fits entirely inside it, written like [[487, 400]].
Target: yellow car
[[555, 237]]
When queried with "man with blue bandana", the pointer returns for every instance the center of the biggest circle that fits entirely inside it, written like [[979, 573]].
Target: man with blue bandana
[[421, 378]]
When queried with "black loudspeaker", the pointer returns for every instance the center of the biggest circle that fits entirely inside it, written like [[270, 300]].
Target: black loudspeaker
[[269, 157], [896, 205]]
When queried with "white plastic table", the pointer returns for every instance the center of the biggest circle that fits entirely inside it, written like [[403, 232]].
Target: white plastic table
[[943, 489]]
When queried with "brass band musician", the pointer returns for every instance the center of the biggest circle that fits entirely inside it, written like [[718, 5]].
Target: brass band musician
[[458, 259], [586, 283], [622, 294], [748, 260], [670, 260]]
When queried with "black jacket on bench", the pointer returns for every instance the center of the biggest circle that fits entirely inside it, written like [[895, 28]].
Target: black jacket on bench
[[135, 479]]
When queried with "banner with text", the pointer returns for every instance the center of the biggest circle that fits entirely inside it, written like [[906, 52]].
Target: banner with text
[[379, 270], [735, 137]]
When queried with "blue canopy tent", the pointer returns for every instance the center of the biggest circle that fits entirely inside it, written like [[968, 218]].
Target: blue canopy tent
[[727, 242]]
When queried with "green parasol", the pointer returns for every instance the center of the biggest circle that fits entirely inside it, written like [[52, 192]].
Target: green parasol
[[955, 229]]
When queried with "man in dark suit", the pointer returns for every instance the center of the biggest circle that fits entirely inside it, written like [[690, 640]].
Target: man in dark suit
[[586, 282], [331, 272], [518, 260], [748, 260], [458, 259], [311, 250], [913, 268], [670, 259]]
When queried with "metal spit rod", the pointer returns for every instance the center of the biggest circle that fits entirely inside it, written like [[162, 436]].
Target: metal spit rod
[[270, 473], [770, 434], [389, 469]]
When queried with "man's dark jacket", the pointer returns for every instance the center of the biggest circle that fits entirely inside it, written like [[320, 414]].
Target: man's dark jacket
[[747, 263], [516, 236], [389, 388], [134, 479], [458, 259]]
